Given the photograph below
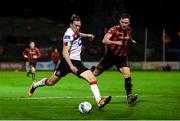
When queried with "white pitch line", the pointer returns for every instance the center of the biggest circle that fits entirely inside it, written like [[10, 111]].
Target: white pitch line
[[76, 97]]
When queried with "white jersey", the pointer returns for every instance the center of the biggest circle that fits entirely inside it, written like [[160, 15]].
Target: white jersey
[[74, 41]]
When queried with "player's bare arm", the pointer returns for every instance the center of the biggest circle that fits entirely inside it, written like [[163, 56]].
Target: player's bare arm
[[106, 40], [67, 58], [91, 36], [25, 56], [132, 40]]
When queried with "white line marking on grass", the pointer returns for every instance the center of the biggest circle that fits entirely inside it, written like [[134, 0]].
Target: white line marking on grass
[[76, 97]]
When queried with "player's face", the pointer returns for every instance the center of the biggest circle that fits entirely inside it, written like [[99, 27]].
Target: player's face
[[56, 50], [124, 22], [76, 25], [32, 45]]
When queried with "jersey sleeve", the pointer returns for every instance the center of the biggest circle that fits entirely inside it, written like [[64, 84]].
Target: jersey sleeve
[[112, 30], [68, 38], [25, 52]]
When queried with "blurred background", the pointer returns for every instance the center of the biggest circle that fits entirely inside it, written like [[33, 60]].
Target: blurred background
[[155, 26]]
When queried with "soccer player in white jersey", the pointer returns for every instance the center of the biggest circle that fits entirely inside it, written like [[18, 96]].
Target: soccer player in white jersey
[[71, 63]]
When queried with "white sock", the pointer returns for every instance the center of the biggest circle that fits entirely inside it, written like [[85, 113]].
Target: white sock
[[40, 83], [96, 93]]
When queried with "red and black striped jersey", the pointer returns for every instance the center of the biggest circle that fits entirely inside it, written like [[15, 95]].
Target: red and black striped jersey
[[30, 53], [55, 56], [119, 34]]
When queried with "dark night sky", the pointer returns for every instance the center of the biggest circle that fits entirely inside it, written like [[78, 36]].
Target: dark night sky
[[151, 12], [155, 11]]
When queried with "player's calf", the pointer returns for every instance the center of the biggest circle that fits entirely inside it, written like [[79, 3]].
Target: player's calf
[[51, 83]]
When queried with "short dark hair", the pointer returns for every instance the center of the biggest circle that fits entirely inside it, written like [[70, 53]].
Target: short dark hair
[[125, 15], [75, 17]]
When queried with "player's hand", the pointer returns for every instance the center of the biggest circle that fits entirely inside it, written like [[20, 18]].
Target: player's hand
[[25, 56], [74, 69], [119, 43], [127, 37], [34, 57], [124, 37], [91, 36], [133, 41]]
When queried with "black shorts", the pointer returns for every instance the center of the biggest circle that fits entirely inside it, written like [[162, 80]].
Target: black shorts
[[109, 60], [63, 68], [32, 64]]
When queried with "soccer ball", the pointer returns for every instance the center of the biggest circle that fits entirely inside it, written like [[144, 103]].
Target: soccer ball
[[85, 107]]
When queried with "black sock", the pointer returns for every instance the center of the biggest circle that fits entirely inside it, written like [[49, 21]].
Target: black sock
[[33, 76], [128, 86]]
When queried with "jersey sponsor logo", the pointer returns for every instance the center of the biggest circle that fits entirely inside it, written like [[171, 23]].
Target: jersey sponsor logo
[[67, 37]]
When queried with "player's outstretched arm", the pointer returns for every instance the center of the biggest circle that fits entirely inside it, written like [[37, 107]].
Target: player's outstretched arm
[[106, 40], [91, 36], [24, 53]]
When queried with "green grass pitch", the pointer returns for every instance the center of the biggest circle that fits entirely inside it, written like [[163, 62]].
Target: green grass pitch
[[159, 97]]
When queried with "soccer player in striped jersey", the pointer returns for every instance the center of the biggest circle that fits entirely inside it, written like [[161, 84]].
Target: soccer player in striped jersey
[[32, 53], [71, 62], [117, 40]]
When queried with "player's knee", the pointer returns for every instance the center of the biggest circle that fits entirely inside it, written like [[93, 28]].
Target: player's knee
[[96, 72], [126, 74], [99, 68], [33, 70]]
